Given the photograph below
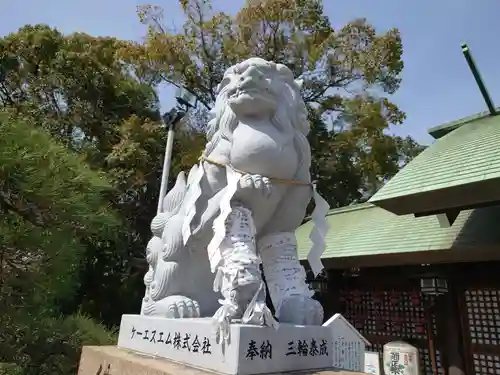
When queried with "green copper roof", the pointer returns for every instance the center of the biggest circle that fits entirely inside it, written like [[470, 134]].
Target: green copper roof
[[365, 229], [441, 130], [454, 166]]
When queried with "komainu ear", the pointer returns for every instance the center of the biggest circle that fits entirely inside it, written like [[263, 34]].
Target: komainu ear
[[299, 82]]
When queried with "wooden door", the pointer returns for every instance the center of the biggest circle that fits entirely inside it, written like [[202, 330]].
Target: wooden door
[[481, 322], [392, 312]]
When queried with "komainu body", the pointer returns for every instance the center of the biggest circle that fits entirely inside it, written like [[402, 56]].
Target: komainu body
[[238, 210]]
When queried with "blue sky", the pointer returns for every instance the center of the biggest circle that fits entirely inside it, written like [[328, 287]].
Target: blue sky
[[437, 84]]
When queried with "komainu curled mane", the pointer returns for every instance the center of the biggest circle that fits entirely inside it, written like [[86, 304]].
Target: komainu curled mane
[[239, 208]]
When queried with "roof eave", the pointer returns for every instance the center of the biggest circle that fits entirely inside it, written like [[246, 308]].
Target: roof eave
[[441, 130], [475, 194]]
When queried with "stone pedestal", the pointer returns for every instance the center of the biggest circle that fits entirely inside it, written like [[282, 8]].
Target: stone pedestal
[[110, 360], [348, 344], [252, 350]]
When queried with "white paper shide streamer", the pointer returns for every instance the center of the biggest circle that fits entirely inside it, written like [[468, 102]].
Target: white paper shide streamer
[[193, 194], [318, 233], [219, 226]]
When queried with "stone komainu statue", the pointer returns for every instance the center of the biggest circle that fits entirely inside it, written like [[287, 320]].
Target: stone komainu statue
[[239, 208]]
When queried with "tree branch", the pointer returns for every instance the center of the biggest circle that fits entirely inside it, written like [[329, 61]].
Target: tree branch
[[198, 98], [28, 213], [199, 23], [341, 83]]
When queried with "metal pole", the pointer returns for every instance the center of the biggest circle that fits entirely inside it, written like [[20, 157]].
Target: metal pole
[[479, 80], [167, 161]]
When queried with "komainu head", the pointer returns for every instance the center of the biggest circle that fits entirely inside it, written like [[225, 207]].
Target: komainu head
[[258, 89]]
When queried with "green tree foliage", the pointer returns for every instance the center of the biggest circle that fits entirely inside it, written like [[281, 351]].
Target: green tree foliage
[[348, 73], [35, 345], [51, 205], [76, 88]]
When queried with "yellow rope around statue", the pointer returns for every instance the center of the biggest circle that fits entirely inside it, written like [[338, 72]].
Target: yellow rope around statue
[[279, 180]]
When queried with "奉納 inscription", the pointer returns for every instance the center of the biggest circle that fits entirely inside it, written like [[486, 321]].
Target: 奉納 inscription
[[302, 348], [176, 340], [263, 351]]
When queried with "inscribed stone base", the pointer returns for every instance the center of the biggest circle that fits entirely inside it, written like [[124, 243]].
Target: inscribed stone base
[[252, 349], [110, 360], [348, 344]]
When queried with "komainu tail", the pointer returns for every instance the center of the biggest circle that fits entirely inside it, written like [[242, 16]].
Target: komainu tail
[[164, 249], [171, 205], [174, 198]]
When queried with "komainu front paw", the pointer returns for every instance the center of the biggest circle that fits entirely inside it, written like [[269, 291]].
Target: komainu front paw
[[300, 310], [250, 183], [174, 307]]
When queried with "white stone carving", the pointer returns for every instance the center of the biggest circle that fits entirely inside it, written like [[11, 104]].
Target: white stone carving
[[348, 345], [251, 350], [238, 209]]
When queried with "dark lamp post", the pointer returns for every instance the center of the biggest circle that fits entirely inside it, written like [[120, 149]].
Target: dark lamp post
[[185, 98], [185, 101]]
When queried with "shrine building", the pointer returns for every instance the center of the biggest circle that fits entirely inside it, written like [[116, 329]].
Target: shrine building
[[420, 262]]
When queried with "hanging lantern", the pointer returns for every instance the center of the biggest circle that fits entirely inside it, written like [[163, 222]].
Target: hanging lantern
[[351, 272], [433, 285], [318, 284]]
